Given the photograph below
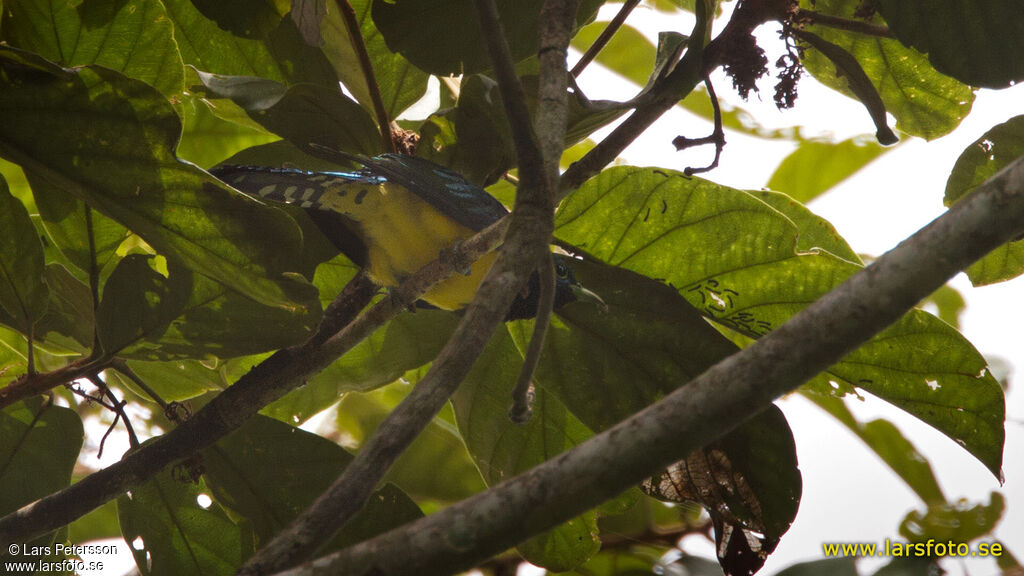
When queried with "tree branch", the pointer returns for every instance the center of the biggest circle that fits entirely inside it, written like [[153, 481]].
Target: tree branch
[[528, 237], [355, 36], [861, 27], [711, 405], [602, 39], [28, 385]]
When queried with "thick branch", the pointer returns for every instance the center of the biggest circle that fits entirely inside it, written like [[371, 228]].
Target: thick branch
[[28, 385], [271, 379], [717, 401], [528, 237]]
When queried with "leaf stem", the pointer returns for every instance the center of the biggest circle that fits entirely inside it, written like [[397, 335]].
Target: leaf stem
[[355, 35]]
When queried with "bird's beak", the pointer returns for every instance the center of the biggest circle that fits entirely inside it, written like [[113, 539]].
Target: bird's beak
[[584, 295]]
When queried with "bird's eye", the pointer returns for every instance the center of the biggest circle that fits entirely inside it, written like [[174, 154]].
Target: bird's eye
[[561, 270]]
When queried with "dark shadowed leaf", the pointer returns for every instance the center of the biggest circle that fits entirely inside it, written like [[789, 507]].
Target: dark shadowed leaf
[[925, 102], [85, 237], [831, 566], [410, 26], [979, 42], [303, 113], [502, 448], [139, 301], [268, 472], [980, 161], [23, 293], [750, 485], [732, 256], [170, 531], [39, 444], [244, 18]]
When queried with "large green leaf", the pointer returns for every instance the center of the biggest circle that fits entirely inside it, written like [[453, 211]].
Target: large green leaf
[[400, 83], [979, 42], [109, 140], [502, 448], [268, 472], [39, 444], [978, 162], [87, 238], [245, 18], [435, 466], [406, 342], [282, 56], [23, 293], [734, 258], [208, 139], [139, 302], [133, 37], [70, 312], [410, 28], [170, 533], [816, 166], [925, 102], [303, 113]]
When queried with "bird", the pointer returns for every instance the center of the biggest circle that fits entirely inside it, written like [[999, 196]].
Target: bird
[[395, 215]]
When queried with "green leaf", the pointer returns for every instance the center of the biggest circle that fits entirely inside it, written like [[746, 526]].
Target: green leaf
[[607, 365], [733, 257], [133, 37], [109, 140], [410, 28], [244, 18], [178, 380], [23, 293], [87, 238], [502, 448], [406, 342], [283, 56], [435, 466], [629, 53], [891, 446], [208, 139], [816, 233], [170, 533], [999, 146], [303, 113], [139, 302], [979, 42], [816, 166], [39, 444], [925, 102], [220, 322], [400, 83], [70, 312], [473, 138], [957, 522], [268, 472], [99, 524]]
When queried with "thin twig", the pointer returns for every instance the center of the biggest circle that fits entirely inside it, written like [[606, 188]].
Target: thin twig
[[839, 23], [717, 136], [94, 280], [522, 395], [704, 409], [123, 368], [355, 36], [603, 38]]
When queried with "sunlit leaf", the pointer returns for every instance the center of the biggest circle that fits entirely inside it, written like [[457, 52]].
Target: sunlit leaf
[[400, 83], [925, 102], [734, 258], [957, 522], [816, 166], [989, 154], [131, 36]]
